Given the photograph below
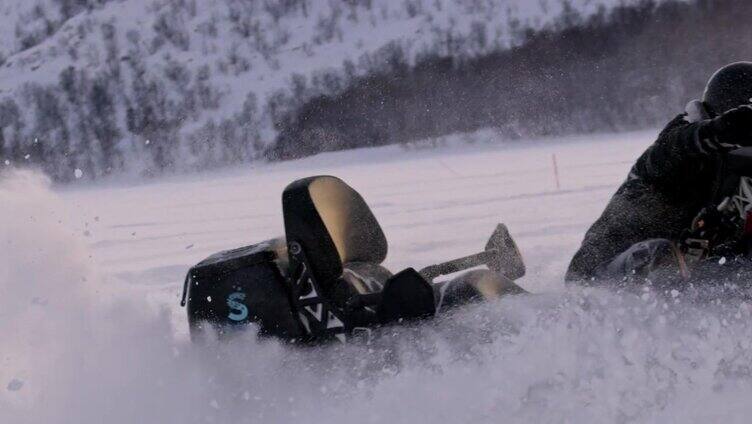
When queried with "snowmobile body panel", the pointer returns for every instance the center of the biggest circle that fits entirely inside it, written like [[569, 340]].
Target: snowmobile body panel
[[736, 164], [234, 288]]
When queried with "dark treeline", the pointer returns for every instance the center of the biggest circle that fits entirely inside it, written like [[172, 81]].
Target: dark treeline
[[628, 68]]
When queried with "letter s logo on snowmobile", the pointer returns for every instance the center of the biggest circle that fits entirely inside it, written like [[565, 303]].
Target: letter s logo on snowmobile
[[239, 311]]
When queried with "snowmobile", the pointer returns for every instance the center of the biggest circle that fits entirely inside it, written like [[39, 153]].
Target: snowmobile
[[717, 248], [324, 279]]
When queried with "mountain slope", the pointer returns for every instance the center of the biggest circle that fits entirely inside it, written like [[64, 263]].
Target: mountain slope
[[142, 86]]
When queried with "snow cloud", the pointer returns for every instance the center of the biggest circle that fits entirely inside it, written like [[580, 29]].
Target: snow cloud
[[74, 350]]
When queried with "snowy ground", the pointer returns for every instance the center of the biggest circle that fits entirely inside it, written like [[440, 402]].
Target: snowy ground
[[90, 279], [433, 204]]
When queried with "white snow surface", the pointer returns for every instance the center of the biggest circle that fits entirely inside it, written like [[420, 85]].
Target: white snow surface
[[90, 279]]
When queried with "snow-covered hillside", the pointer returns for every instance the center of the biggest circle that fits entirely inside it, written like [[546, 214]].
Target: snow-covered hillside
[[274, 40], [106, 86], [80, 267]]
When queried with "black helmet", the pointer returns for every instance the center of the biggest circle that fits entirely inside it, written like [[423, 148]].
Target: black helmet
[[729, 88]]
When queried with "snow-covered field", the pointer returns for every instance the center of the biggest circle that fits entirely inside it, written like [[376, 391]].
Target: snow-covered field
[[91, 331], [434, 204]]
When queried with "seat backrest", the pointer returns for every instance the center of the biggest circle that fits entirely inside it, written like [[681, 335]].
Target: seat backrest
[[332, 223]]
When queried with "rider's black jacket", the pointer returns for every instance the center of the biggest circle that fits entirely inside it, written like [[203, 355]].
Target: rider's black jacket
[[666, 188]]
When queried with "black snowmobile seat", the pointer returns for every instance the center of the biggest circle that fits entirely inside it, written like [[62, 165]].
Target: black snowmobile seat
[[333, 225]]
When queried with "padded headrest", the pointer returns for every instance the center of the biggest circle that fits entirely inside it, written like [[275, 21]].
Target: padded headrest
[[333, 224]]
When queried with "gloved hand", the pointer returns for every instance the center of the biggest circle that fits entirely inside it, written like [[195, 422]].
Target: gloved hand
[[733, 127]]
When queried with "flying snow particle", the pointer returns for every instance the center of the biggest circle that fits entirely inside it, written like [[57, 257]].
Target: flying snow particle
[[722, 261], [27, 157], [15, 385], [40, 301], [7, 162], [78, 173], [147, 142]]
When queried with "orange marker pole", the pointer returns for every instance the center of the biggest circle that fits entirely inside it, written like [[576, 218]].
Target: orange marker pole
[[556, 171]]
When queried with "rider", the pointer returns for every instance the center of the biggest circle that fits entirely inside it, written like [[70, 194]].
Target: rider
[[673, 180]]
